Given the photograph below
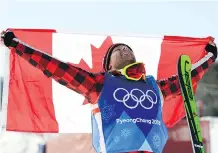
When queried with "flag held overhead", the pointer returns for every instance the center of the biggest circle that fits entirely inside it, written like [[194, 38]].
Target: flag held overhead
[[36, 103]]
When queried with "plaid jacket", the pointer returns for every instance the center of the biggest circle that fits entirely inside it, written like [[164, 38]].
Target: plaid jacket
[[89, 84]]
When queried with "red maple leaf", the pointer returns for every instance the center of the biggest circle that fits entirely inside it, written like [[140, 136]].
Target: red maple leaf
[[97, 57]]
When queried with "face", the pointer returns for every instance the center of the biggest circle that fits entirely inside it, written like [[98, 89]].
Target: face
[[120, 57]]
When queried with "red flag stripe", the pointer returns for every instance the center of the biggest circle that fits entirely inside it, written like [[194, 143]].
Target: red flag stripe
[[175, 46], [31, 88]]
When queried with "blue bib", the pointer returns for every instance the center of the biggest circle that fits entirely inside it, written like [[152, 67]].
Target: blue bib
[[130, 117]]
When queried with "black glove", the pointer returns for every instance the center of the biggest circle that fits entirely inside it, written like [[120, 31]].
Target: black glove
[[212, 49], [7, 37]]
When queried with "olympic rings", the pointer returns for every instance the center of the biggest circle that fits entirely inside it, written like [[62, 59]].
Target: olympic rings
[[137, 100]]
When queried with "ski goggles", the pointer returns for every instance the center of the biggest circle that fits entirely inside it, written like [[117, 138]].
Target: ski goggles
[[134, 71]]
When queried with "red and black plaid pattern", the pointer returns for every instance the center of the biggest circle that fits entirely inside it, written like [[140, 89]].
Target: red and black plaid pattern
[[170, 87], [81, 81], [89, 84]]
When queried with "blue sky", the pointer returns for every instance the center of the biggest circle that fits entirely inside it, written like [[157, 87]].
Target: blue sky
[[173, 18], [132, 17]]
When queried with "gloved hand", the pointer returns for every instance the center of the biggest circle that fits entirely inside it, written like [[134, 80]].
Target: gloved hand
[[7, 37], [211, 47]]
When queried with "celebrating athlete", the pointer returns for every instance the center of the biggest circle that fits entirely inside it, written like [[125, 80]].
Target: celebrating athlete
[[126, 104]]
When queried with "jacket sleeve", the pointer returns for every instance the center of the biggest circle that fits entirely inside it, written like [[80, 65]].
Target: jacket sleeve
[[70, 76], [170, 87]]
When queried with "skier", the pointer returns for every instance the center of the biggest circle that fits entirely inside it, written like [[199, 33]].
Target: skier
[[126, 104]]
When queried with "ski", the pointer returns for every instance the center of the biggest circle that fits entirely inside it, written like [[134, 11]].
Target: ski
[[185, 80]]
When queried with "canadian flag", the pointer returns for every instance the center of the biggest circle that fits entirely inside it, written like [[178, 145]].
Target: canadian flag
[[34, 103]]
